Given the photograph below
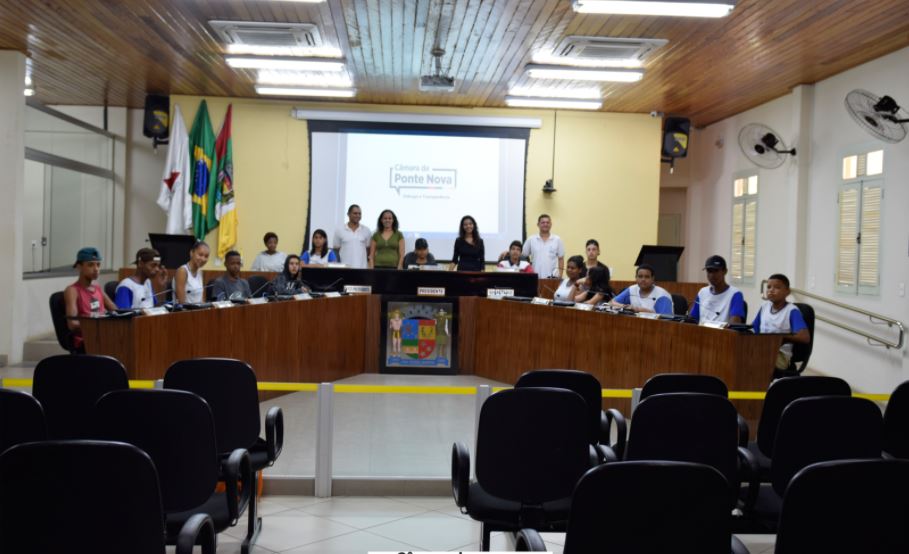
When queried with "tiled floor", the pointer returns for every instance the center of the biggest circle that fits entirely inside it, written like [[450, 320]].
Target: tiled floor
[[299, 524]]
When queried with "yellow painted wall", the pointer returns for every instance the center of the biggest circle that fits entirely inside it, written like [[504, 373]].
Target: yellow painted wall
[[607, 173]]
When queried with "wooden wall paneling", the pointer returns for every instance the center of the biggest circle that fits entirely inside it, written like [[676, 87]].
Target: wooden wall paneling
[[467, 332], [372, 338]]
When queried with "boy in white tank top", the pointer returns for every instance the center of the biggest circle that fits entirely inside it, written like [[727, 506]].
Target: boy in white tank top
[[779, 316]]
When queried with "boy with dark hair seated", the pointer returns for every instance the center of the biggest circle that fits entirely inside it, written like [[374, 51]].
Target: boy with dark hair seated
[[777, 315], [230, 286]]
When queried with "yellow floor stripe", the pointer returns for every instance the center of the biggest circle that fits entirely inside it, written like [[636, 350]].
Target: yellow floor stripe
[[419, 389]]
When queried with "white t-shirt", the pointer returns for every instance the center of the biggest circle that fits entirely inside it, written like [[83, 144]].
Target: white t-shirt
[[716, 307], [194, 285], [505, 265], [142, 294], [545, 254], [269, 262], [650, 301], [353, 246]]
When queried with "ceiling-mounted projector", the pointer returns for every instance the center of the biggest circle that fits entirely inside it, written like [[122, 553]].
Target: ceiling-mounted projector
[[437, 82]]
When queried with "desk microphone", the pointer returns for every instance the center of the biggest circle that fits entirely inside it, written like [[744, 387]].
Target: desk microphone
[[258, 290]]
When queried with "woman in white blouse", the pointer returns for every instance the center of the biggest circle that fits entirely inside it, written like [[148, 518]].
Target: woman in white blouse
[[576, 272]]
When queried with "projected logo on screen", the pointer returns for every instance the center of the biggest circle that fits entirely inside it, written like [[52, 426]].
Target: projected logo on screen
[[421, 177]]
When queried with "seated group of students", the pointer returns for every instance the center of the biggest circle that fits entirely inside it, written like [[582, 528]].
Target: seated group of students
[[717, 302]]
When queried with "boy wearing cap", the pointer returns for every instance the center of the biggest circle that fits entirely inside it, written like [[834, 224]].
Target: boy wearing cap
[[719, 301], [84, 298], [136, 290]]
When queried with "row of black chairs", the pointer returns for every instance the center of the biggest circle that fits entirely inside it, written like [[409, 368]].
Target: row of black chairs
[[535, 443], [204, 428]]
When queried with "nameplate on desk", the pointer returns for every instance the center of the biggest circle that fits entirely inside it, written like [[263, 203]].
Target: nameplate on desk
[[223, 304], [583, 307], [157, 310], [541, 301], [335, 264], [356, 289], [302, 296], [498, 294], [332, 295], [649, 315], [430, 291], [714, 324], [257, 300]]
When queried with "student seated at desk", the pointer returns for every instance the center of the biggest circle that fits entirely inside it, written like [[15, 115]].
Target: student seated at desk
[[188, 285], [289, 280], [779, 316], [84, 298], [269, 259], [513, 261], [598, 287], [136, 290], [719, 301], [420, 255], [570, 286], [644, 296], [230, 286], [319, 253]]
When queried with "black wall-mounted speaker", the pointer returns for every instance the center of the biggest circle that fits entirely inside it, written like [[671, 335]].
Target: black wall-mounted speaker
[[675, 137], [157, 116]]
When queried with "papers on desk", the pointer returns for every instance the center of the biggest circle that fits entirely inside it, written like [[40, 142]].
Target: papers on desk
[[223, 304], [648, 315], [302, 296], [714, 324], [583, 307]]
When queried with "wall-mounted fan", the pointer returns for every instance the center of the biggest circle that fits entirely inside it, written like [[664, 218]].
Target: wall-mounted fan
[[763, 146], [880, 116]]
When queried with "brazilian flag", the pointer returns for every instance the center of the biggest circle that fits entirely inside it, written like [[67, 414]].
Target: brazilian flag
[[202, 149]]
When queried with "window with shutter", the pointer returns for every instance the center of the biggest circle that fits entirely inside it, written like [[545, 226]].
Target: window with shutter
[[859, 224], [744, 229]]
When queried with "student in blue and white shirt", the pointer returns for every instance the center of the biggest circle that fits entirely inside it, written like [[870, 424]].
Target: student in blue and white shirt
[[779, 316], [719, 301], [136, 290], [320, 253], [645, 296]]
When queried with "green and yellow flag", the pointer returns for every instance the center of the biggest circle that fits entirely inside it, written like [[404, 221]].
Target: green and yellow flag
[[225, 207], [202, 148]]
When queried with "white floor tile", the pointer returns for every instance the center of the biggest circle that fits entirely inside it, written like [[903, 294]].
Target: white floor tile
[[359, 542], [431, 531], [290, 530]]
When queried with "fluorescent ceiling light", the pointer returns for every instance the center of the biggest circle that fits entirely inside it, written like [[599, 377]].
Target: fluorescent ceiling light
[[296, 78], [719, 8], [278, 62], [618, 75], [293, 91], [548, 92], [29, 92], [262, 50], [530, 102]]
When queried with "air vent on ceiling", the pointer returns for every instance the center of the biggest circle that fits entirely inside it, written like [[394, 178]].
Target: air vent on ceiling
[[607, 48], [250, 33]]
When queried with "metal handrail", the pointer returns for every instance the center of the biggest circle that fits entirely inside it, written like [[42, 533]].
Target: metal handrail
[[873, 340]]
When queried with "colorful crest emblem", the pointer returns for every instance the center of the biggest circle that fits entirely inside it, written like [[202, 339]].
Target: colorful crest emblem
[[418, 337]]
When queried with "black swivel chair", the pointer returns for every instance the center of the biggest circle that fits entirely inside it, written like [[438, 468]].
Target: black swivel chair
[[110, 289], [61, 330], [21, 419], [781, 393], [229, 387], [896, 423], [679, 304], [811, 430], [646, 507], [690, 427], [258, 286], [800, 352], [532, 447], [104, 496], [588, 386], [663, 383], [176, 429], [845, 507], [68, 388]]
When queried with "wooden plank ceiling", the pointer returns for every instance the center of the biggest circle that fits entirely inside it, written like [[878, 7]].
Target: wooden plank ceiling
[[114, 51]]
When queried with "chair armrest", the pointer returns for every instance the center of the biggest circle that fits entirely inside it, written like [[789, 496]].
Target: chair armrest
[[274, 433], [606, 454], [750, 472], [738, 547], [743, 431], [460, 473], [237, 469], [607, 418], [197, 529], [529, 540]]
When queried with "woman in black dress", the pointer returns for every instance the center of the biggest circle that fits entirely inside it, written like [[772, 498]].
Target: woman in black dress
[[469, 254]]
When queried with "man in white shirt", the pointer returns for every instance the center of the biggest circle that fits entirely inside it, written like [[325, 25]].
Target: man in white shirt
[[546, 251], [352, 240]]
